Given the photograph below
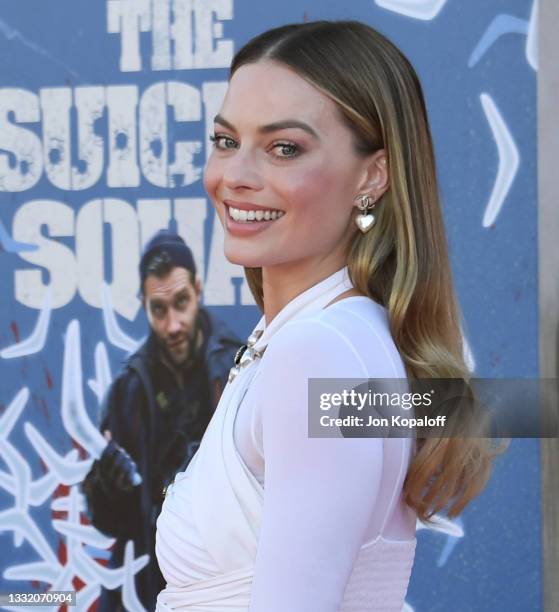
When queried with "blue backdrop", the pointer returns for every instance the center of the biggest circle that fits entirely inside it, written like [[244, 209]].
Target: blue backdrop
[[105, 111]]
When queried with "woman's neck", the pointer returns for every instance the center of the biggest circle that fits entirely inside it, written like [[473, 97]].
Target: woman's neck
[[283, 283]]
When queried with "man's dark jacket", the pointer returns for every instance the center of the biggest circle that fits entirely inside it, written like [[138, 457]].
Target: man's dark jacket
[[158, 419]]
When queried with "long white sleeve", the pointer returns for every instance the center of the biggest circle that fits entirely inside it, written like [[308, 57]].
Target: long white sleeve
[[320, 495]]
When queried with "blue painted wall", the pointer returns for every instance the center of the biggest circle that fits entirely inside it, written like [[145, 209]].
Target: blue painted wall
[[65, 233]]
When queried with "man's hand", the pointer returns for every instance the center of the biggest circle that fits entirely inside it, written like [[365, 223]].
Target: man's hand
[[116, 467]]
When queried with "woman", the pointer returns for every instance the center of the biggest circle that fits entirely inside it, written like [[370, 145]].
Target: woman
[[322, 122]]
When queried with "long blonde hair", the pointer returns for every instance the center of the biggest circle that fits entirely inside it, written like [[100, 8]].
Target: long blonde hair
[[402, 262]]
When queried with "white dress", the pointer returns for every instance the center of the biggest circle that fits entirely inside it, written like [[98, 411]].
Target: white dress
[[266, 519]]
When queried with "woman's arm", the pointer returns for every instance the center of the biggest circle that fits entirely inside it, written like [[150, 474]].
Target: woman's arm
[[319, 493]]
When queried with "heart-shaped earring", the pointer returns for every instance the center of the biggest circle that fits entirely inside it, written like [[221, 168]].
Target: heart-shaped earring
[[365, 220]]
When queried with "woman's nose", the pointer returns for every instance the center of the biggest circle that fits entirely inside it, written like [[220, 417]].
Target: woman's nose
[[241, 171]]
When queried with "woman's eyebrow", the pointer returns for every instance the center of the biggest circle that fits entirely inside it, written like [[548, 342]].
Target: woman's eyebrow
[[273, 127]]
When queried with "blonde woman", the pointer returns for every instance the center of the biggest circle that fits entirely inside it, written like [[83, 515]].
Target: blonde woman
[[323, 178]]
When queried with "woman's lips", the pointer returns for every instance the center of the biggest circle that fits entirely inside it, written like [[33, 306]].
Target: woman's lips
[[249, 219], [248, 206]]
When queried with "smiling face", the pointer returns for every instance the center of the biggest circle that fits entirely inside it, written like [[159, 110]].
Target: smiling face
[[284, 173]]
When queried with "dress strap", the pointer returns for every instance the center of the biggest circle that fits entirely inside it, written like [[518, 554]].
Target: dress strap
[[316, 297]]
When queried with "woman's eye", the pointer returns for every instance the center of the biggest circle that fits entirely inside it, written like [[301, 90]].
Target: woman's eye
[[222, 142], [285, 150]]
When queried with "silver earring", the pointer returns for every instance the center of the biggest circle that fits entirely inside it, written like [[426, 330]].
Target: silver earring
[[366, 219]]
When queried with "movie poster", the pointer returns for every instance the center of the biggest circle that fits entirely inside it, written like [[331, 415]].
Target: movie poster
[[106, 109]]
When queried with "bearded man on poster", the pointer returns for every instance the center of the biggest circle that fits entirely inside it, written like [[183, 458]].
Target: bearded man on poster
[[157, 409]]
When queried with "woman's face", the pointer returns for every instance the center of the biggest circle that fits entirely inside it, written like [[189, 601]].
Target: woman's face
[[283, 175]]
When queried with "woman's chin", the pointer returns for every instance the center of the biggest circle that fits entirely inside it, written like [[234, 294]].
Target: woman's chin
[[242, 257], [253, 254]]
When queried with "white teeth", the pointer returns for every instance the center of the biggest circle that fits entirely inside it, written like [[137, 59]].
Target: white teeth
[[251, 216]]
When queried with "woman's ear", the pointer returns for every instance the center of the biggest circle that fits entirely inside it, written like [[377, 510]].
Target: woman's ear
[[375, 181]]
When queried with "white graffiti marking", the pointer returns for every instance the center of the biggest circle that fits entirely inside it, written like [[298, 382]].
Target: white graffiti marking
[[468, 354], [36, 341], [102, 381], [509, 160], [20, 522], [450, 543], [8, 244], [454, 530], [66, 470], [115, 335], [441, 524], [12, 413], [41, 489], [74, 414], [20, 477], [33, 571], [129, 596], [532, 39], [87, 596], [85, 533], [418, 9], [62, 504]]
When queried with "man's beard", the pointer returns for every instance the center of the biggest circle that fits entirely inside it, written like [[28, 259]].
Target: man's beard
[[191, 346]]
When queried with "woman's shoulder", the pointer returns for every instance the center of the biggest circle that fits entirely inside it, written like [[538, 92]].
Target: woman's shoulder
[[355, 318], [353, 330], [353, 310]]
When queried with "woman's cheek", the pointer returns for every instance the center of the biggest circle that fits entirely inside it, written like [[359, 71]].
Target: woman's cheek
[[210, 179], [312, 193], [307, 189]]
